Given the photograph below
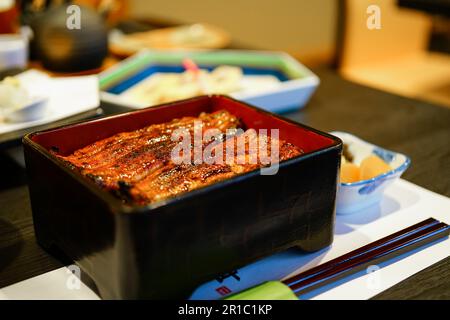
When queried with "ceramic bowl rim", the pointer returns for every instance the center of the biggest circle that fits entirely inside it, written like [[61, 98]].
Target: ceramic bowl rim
[[392, 172]]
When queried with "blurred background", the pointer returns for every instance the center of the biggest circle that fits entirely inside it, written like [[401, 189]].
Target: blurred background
[[408, 53]]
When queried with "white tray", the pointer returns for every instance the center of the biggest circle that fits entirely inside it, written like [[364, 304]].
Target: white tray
[[404, 204]]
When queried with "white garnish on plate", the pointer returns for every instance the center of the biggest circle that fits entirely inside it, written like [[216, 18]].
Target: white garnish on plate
[[17, 104]]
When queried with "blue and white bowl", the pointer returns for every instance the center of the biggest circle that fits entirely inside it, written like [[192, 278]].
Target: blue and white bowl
[[355, 196]]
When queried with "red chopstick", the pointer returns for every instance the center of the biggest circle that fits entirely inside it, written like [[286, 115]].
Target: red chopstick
[[376, 252]]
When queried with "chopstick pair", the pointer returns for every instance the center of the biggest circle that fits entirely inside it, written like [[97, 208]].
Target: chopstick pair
[[376, 252]]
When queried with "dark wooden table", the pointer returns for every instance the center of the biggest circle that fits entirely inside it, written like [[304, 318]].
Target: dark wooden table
[[418, 129]]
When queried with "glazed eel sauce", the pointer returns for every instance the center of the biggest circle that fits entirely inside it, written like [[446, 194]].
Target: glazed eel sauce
[[137, 166]]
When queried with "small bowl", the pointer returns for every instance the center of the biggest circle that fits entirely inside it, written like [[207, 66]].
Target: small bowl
[[355, 196]]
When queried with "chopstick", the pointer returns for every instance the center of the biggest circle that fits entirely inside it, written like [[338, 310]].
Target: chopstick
[[373, 253], [376, 252], [367, 248]]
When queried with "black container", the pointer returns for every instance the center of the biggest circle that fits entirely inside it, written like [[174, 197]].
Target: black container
[[65, 48], [167, 249]]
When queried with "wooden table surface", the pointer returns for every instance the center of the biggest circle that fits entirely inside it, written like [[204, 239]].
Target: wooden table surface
[[418, 129]]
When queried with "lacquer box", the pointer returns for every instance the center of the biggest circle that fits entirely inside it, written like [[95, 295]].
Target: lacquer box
[[168, 248]]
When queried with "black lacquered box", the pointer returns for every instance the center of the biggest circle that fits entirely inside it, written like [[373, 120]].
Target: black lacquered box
[[167, 249]]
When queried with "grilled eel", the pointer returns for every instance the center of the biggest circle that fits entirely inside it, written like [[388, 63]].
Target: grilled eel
[[137, 166]]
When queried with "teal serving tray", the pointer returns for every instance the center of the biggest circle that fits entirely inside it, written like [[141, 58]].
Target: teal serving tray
[[297, 85]]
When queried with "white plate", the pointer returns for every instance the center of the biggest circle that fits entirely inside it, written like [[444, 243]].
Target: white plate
[[67, 97]]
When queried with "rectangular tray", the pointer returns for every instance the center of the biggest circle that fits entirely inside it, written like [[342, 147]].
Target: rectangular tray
[[298, 82], [165, 250]]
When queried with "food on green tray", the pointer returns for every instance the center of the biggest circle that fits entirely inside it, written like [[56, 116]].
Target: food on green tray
[[167, 87]]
